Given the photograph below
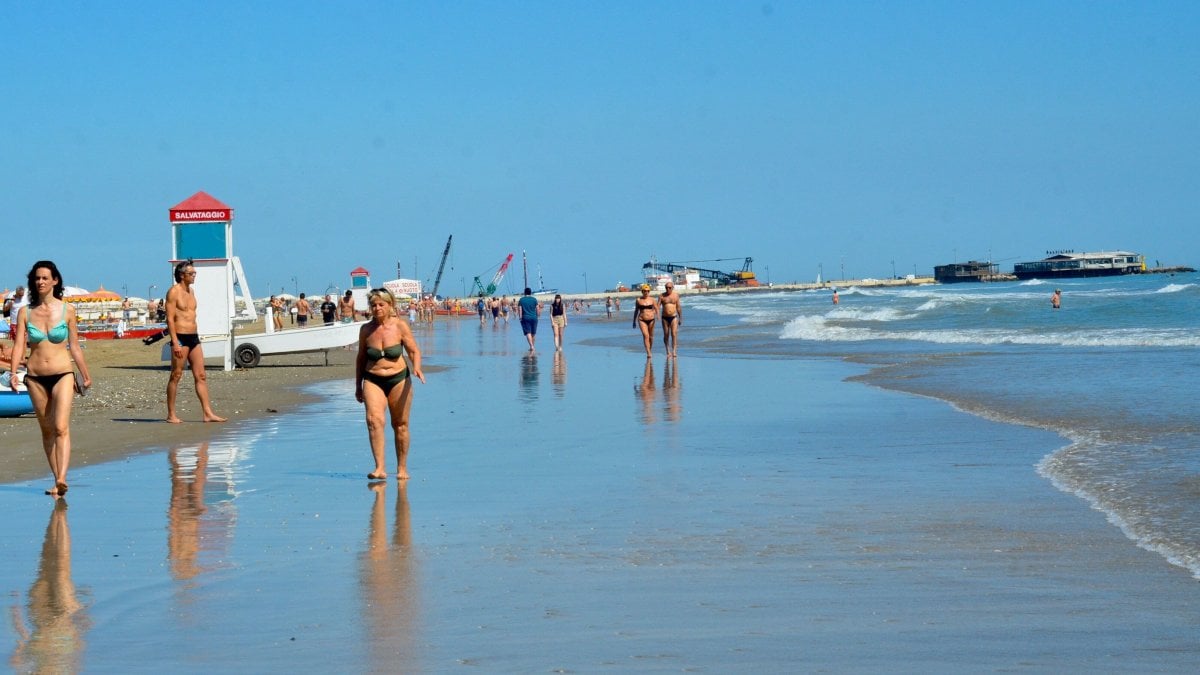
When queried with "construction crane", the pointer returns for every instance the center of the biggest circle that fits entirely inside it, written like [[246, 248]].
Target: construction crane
[[438, 280], [487, 291], [742, 277]]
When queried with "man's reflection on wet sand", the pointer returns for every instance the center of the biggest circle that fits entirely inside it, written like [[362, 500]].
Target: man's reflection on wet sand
[[389, 585], [196, 538], [671, 388], [52, 641], [529, 378]]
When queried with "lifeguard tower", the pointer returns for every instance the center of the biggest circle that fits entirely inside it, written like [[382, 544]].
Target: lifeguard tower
[[202, 231], [360, 285]]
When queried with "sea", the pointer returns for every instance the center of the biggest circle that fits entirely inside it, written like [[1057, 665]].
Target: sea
[[1110, 372]]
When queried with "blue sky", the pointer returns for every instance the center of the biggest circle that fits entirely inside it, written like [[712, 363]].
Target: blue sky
[[855, 136]]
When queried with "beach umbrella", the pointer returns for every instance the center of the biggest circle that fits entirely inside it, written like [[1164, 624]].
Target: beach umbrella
[[100, 295], [74, 291], [103, 293]]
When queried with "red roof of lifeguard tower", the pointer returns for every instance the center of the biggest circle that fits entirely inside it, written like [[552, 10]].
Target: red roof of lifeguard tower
[[201, 206], [359, 272], [201, 201]]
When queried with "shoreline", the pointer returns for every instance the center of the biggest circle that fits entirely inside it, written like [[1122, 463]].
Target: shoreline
[[790, 286], [829, 284]]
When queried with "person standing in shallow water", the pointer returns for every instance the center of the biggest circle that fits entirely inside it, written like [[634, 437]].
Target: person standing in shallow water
[[185, 343], [383, 379], [672, 318], [558, 320], [530, 310], [645, 315], [47, 327], [1056, 299]]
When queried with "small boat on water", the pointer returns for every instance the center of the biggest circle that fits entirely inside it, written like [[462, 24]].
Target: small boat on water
[[1069, 265], [14, 403]]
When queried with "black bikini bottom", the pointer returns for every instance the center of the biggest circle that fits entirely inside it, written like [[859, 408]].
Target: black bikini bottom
[[386, 382], [46, 382]]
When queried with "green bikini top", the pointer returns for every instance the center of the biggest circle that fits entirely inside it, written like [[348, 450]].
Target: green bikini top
[[390, 353], [57, 333]]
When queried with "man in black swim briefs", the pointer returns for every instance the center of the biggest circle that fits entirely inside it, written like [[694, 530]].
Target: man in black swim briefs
[[186, 349], [671, 311]]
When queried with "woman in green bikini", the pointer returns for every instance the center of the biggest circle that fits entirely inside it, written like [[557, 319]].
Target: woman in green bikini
[[383, 378], [47, 327]]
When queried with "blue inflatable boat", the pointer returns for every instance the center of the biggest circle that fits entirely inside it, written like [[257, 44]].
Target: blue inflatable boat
[[13, 403]]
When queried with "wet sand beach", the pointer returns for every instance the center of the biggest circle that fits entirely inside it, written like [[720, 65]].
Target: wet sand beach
[[584, 512]]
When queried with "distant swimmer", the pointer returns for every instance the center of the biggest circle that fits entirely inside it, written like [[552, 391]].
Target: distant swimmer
[[1056, 299], [835, 296]]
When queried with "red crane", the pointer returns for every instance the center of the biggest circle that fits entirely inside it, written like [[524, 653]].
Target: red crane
[[487, 291]]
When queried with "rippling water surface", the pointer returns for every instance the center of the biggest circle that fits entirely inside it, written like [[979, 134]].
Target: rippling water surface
[[1112, 371]]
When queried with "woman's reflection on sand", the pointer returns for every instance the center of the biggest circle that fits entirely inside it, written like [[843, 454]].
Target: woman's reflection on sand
[[644, 391], [52, 642], [558, 375], [389, 585]]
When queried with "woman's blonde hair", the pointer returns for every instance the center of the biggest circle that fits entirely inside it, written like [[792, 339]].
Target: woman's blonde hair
[[382, 293]]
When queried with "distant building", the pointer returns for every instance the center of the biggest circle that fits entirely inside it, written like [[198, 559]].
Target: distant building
[[972, 270], [1069, 264], [405, 287]]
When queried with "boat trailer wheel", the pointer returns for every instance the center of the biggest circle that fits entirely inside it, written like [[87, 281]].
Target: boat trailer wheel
[[246, 355]]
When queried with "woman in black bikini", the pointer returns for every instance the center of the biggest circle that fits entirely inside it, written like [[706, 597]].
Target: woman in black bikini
[[382, 378], [645, 313], [47, 327]]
